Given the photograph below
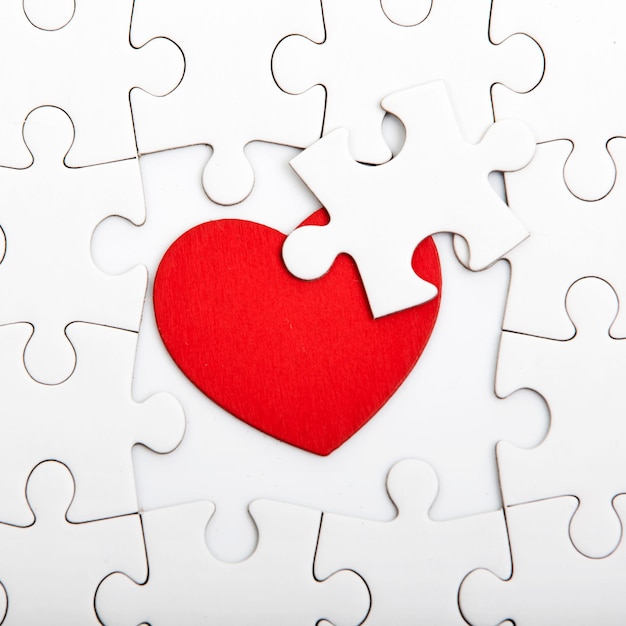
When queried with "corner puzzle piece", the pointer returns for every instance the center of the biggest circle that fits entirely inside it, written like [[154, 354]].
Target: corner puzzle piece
[[578, 97], [367, 56], [275, 585], [87, 68], [90, 423], [379, 215], [584, 452], [412, 565], [551, 583], [48, 213], [570, 239], [51, 569], [228, 96]]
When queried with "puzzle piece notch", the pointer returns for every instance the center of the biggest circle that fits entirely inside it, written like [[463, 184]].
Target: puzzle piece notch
[[406, 13], [244, 103], [412, 565], [90, 423], [583, 453], [49, 211], [188, 584], [361, 61], [380, 214], [65, 562], [575, 229], [577, 98], [552, 583], [92, 87], [49, 14]]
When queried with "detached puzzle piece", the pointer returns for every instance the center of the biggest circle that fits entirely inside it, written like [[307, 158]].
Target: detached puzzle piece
[[373, 49], [275, 585], [438, 183], [48, 213], [228, 96], [584, 452], [51, 569], [413, 566], [90, 423], [552, 583], [578, 97], [570, 238], [87, 68]]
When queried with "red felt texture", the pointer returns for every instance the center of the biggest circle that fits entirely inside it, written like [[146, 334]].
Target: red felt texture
[[302, 361]]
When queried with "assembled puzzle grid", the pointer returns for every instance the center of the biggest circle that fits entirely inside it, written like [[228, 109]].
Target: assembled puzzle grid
[[250, 258]]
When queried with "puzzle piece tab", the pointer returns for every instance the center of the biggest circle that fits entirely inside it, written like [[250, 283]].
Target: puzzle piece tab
[[413, 566], [578, 97], [51, 569], [275, 585], [584, 452], [552, 583], [48, 213], [90, 422], [570, 239], [369, 53], [379, 215], [87, 68], [228, 96]]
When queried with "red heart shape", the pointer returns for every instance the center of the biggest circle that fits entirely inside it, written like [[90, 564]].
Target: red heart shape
[[302, 361]]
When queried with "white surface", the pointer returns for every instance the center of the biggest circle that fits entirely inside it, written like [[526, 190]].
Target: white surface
[[445, 412], [275, 585], [552, 583], [413, 566], [228, 96], [48, 213], [570, 238], [578, 97], [366, 57], [53, 568], [86, 68], [90, 423], [438, 183], [584, 453]]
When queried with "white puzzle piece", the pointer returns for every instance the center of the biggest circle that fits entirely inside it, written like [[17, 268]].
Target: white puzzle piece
[[412, 565], [367, 56], [578, 97], [275, 585], [87, 68], [228, 96], [438, 183], [51, 570], [48, 213], [570, 238], [90, 422], [552, 583], [582, 381]]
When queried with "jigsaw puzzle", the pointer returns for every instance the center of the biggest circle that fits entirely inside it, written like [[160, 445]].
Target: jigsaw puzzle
[[53, 567], [47, 213], [86, 66], [379, 215], [274, 585], [413, 566], [94, 90], [228, 96], [551, 582], [570, 239], [90, 423], [372, 49], [578, 97], [584, 451]]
